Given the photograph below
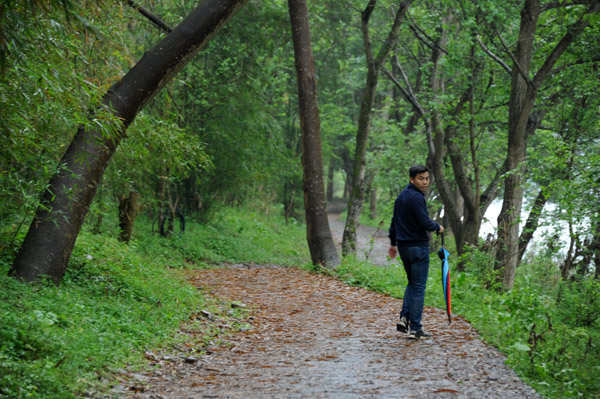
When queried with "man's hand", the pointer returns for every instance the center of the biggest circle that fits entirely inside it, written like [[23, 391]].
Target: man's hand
[[441, 230], [392, 252]]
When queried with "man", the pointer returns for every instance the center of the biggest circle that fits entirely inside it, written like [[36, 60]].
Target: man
[[409, 236]]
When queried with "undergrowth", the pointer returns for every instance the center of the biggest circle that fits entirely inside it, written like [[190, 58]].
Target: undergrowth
[[117, 301], [59, 342], [548, 329], [235, 235]]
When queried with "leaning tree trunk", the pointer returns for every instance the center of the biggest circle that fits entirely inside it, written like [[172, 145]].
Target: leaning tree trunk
[[374, 66], [318, 233], [50, 240]]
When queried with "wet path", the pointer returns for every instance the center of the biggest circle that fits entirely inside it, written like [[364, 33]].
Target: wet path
[[313, 337]]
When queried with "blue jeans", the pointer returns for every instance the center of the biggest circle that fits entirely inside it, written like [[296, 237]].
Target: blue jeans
[[416, 264]]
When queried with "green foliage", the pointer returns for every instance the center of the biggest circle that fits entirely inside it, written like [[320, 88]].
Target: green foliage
[[234, 235], [549, 330], [60, 58], [113, 303], [117, 301], [388, 280]]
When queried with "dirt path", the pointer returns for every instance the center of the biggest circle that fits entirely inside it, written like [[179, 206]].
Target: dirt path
[[313, 337], [372, 243]]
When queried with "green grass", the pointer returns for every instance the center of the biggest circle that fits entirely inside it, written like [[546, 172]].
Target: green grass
[[549, 330], [112, 304], [117, 301], [233, 236]]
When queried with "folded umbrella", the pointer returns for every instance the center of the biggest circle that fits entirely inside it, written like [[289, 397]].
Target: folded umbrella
[[443, 254]]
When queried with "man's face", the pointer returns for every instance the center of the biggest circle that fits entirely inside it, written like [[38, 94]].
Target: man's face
[[421, 181]]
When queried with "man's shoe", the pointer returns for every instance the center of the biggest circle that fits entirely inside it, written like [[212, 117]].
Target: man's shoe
[[402, 325], [418, 334]]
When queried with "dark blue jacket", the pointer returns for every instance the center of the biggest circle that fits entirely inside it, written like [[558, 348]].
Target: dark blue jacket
[[411, 222]]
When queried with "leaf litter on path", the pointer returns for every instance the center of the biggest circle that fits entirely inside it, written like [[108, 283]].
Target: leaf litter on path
[[311, 336]]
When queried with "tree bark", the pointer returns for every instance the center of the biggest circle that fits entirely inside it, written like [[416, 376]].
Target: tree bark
[[153, 18], [374, 66], [49, 242], [318, 233], [162, 189], [522, 97], [596, 249], [330, 176], [520, 104], [128, 207], [373, 203], [532, 221]]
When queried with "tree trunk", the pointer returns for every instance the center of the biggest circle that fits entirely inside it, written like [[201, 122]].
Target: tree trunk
[[330, 175], [320, 241], [172, 210], [347, 165], [532, 221], [520, 105], [128, 207], [596, 250], [162, 189], [522, 97], [374, 66], [49, 242], [373, 203]]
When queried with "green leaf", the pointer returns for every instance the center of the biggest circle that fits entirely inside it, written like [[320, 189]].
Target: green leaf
[[521, 347]]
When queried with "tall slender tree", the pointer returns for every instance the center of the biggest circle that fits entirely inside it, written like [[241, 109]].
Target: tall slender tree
[[375, 64], [465, 201], [318, 233], [523, 94]]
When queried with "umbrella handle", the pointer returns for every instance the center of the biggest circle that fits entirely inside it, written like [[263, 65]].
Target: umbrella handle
[[442, 234]]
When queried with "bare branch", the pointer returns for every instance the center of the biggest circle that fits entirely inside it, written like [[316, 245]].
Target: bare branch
[[392, 37], [414, 102], [153, 18], [493, 56], [430, 42], [365, 17], [409, 88], [515, 61], [580, 61]]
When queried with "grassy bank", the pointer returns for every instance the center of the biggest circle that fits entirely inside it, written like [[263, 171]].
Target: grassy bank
[[549, 329], [117, 301]]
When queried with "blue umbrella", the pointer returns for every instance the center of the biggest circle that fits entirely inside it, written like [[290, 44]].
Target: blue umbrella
[[443, 254]]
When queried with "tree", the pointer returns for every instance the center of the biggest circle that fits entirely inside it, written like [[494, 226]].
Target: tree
[[374, 66], [448, 96], [523, 95], [237, 99], [318, 234], [53, 66], [52, 234]]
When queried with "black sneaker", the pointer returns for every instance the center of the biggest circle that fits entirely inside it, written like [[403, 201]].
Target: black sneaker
[[402, 325], [418, 334]]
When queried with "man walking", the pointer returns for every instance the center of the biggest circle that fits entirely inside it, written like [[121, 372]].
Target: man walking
[[410, 238]]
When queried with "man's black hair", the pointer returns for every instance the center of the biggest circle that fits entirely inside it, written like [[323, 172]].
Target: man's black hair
[[417, 169]]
